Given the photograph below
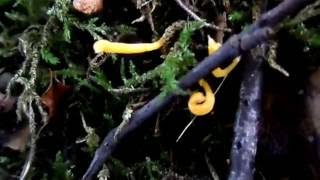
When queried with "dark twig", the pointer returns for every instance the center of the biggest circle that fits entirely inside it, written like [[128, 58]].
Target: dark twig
[[221, 21], [244, 145], [212, 170], [246, 128], [251, 37], [196, 17], [312, 121]]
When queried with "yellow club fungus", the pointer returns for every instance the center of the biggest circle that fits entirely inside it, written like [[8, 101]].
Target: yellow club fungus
[[201, 104], [213, 46], [218, 72], [105, 46]]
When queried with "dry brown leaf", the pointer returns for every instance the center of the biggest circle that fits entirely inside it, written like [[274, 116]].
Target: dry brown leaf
[[52, 97]]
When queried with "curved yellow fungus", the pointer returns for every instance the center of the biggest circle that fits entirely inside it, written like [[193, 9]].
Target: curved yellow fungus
[[105, 46], [201, 104], [218, 72], [213, 46]]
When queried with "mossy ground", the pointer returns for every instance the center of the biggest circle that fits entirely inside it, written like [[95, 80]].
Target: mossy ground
[[61, 39]]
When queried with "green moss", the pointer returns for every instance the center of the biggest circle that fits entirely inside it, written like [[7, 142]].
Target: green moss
[[179, 60], [311, 36], [61, 10], [61, 169]]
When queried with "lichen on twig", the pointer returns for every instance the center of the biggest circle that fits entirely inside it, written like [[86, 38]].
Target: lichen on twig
[[29, 101], [308, 12], [271, 58]]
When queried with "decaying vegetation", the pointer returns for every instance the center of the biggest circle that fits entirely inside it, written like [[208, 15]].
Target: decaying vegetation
[[99, 89]]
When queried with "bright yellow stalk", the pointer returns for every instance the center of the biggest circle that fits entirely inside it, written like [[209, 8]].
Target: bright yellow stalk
[[105, 46], [218, 72], [213, 46], [201, 104]]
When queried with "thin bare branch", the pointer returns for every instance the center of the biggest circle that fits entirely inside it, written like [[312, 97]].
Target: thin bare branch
[[196, 17]]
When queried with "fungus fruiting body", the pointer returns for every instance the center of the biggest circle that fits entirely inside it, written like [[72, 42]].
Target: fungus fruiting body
[[201, 104], [105, 46], [218, 72], [213, 46]]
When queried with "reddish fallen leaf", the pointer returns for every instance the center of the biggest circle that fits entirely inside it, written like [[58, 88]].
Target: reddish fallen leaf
[[53, 97]]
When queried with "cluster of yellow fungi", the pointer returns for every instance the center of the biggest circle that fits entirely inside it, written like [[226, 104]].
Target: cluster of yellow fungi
[[199, 104]]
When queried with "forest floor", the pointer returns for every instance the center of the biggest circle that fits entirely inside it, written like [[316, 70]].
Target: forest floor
[[63, 89]]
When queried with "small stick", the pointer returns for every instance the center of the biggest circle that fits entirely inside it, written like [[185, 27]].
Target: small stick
[[213, 172], [196, 17]]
